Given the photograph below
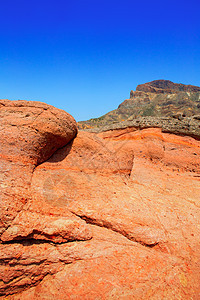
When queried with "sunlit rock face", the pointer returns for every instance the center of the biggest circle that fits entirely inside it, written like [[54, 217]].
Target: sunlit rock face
[[107, 215], [30, 133]]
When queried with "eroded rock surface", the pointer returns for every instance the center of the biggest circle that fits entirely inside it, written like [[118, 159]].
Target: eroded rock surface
[[110, 215], [30, 133]]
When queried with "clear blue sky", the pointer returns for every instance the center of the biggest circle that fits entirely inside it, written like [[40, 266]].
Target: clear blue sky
[[85, 56]]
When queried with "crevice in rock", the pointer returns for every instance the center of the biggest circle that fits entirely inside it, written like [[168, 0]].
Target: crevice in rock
[[25, 241], [29, 240]]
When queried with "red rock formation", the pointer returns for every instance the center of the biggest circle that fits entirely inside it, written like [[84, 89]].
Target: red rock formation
[[30, 133], [109, 215]]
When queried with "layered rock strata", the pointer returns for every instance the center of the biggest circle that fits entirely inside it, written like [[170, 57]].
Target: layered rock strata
[[166, 86]]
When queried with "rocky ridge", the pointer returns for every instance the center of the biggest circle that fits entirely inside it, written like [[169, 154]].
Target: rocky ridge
[[162, 103], [166, 87]]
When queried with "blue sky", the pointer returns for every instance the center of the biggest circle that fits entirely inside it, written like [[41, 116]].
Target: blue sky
[[84, 56]]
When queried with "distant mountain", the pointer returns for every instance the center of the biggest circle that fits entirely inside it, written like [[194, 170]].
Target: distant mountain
[[166, 86], [155, 99]]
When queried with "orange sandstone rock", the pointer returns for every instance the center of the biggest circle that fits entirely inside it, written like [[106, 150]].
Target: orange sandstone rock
[[30, 133], [113, 215]]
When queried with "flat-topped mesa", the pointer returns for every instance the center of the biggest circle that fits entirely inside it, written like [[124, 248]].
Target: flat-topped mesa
[[164, 86], [150, 105]]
